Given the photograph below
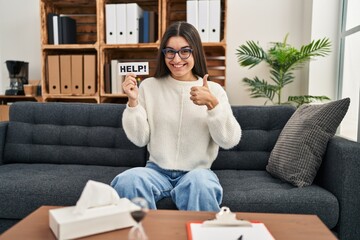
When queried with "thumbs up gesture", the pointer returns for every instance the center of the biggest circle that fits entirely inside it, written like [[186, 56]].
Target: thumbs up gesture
[[201, 95], [205, 82]]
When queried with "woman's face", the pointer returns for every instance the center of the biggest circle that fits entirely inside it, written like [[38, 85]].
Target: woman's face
[[180, 68]]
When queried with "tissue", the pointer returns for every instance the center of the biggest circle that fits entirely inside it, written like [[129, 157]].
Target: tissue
[[96, 194]]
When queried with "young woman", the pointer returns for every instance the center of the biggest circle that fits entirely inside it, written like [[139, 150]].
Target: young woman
[[183, 119]]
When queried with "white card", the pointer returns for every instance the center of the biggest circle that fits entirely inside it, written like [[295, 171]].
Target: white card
[[139, 68]]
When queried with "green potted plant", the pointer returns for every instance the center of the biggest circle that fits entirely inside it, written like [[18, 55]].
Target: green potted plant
[[282, 59]]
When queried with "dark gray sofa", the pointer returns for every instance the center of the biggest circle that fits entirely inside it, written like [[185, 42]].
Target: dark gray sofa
[[48, 151]]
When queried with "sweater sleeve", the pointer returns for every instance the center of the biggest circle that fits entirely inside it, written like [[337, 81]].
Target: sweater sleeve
[[223, 126], [135, 125]]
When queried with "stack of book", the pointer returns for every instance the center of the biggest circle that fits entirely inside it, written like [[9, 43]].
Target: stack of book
[[128, 23], [61, 29]]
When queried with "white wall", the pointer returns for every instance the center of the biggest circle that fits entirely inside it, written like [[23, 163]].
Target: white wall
[[20, 37]]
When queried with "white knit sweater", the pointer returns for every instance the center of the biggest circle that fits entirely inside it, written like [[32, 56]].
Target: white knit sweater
[[179, 134]]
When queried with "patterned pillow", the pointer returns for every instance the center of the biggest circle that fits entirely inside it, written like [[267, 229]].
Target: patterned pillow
[[299, 150]]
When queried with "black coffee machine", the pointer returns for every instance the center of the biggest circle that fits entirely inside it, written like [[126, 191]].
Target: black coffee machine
[[19, 75]]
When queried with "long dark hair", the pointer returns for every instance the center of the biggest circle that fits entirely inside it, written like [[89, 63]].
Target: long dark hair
[[189, 32]]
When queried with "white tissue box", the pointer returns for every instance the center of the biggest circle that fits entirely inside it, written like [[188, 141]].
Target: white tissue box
[[66, 224]]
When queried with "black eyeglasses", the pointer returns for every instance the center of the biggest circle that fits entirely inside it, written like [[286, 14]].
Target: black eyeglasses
[[183, 53]]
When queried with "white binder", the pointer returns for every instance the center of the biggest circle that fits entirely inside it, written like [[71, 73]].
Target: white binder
[[110, 21], [121, 23], [116, 78], [114, 74], [56, 29], [133, 15], [192, 12], [214, 20], [203, 20]]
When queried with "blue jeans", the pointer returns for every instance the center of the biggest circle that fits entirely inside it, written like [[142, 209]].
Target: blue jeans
[[197, 190]]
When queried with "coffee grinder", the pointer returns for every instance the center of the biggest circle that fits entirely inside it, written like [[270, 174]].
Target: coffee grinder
[[19, 75]]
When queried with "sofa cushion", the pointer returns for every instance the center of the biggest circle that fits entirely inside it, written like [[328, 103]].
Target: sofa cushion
[[258, 191], [261, 126], [25, 187], [55, 133], [299, 150]]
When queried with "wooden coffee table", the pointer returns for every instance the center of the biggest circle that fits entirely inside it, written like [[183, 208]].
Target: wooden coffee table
[[171, 224]]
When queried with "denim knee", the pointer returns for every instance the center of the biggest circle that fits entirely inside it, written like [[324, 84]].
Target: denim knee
[[199, 190], [126, 183], [204, 177], [140, 182]]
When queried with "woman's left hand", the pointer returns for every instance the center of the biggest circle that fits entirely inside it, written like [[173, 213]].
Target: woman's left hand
[[201, 95]]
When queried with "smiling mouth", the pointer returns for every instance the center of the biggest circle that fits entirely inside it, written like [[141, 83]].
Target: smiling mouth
[[178, 65]]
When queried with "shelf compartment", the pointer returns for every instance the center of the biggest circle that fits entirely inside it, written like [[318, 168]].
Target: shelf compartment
[[133, 55], [45, 73], [146, 5], [148, 54], [176, 11], [84, 12]]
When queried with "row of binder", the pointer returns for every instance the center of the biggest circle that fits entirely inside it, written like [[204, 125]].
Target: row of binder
[[61, 29], [71, 74], [205, 15], [128, 23]]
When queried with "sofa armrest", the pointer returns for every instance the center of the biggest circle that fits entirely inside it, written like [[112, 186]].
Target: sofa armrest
[[3, 130], [340, 174]]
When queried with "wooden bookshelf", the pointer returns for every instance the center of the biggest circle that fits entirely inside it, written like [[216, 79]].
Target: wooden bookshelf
[[91, 39]]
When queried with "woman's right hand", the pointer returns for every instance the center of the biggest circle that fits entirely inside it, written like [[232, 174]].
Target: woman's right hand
[[131, 89]]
